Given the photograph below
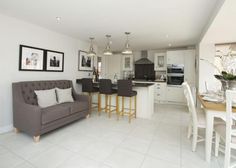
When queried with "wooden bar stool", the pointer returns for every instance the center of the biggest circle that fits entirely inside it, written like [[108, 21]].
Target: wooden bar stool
[[125, 90], [87, 87], [105, 88]]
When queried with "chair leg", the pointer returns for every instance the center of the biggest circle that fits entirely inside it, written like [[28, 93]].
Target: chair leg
[[227, 153], [117, 107], [189, 130], [217, 143], [123, 108], [135, 105], [99, 103], [109, 110], [130, 109], [195, 134], [106, 97]]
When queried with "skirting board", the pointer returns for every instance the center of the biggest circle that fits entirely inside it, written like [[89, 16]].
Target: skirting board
[[5, 129]]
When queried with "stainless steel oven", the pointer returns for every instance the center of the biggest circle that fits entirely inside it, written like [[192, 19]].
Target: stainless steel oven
[[175, 74], [175, 68]]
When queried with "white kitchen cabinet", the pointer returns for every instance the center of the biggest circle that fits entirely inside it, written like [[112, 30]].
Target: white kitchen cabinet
[[175, 57], [175, 94], [189, 66], [160, 92], [160, 61]]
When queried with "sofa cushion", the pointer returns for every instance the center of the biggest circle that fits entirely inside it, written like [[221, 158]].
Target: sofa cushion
[[78, 106], [55, 112], [64, 95], [46, 98]]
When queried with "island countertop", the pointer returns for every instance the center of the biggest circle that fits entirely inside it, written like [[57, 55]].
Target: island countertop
[[135, 83]]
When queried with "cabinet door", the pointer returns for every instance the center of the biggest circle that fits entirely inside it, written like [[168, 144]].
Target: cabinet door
[[160, 94], [175, 57], [175, 94], [160, 62], [189, 66]]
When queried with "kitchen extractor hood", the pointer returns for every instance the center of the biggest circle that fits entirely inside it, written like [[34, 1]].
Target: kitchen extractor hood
[[144, 60]]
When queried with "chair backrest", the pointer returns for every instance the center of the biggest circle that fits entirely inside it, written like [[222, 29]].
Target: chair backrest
[[230, 101], [124, 88], [190, 102], [87, 85], [105, 86]]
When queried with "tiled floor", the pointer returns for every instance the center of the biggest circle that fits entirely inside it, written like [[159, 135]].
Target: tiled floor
[[100, 142]]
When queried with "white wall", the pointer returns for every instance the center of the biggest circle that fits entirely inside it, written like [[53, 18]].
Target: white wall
[[222, 30], [14, 32], [206, 70]]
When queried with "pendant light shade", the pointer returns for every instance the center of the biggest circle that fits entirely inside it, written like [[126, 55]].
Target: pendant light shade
[[107, 50], [127, 50], [91, 51]]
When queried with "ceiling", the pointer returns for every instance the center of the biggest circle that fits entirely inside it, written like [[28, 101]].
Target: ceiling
[[149, 21]]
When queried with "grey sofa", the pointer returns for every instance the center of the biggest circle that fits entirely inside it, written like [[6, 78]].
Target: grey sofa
[[30, 118]]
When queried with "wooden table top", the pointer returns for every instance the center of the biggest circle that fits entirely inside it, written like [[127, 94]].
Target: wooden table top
[[212, 105]]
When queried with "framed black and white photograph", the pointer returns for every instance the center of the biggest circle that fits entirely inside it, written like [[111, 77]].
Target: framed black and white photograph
[[85, 61], [31, 59], [55, 61]]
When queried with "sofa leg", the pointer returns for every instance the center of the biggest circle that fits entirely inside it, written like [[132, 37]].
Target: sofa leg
[[16, 130], [36, 138], [88, 115]]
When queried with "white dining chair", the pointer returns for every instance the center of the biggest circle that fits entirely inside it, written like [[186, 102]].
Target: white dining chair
[[197, 117], [227, 131]]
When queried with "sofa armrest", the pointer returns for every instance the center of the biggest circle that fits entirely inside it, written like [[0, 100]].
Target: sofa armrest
[[27, 118]]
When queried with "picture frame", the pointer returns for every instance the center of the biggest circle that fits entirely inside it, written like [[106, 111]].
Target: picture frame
[[31, 58], [86, 62], [54, 61], [128, 62]]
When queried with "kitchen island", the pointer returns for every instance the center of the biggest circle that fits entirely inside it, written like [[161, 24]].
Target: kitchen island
[[145, 98]]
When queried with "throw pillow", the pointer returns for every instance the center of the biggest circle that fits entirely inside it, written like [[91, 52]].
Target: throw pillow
[[64, 95], [46, 98]]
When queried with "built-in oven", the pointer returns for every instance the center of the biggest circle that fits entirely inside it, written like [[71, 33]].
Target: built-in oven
[[175, 74], [175, 68], [175, 79]]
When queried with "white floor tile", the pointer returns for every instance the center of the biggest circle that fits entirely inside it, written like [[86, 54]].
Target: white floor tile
[[9, 160], [122, 158], [51, 158], [151, 162], [136, 144]]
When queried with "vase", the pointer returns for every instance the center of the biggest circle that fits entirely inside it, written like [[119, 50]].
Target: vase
[[232, 84]]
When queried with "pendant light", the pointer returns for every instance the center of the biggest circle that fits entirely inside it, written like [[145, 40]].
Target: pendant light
[[107, 50], [91, 49], [127, 50]]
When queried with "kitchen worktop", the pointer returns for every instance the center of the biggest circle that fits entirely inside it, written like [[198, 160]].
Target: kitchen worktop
[[135, 83]]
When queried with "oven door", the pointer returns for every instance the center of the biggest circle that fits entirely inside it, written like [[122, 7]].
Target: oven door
[[175, 79], [175, 69]]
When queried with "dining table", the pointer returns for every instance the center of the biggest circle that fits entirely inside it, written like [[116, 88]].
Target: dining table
[[212, 110]]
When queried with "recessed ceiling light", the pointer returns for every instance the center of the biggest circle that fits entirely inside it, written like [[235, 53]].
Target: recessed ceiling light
[[58, 18], [169, 44]]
